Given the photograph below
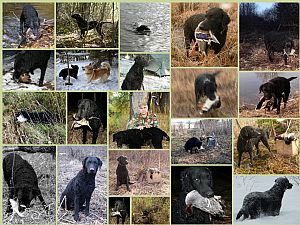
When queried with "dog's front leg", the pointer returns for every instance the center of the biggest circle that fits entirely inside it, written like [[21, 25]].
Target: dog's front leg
[[76, 208], [278, 105], [87, 204], [127, 184], [84, 134]]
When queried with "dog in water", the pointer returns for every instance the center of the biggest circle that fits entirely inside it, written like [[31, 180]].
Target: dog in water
[[102, 73]]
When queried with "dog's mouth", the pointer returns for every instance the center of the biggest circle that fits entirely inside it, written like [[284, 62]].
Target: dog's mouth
[[206, 36]]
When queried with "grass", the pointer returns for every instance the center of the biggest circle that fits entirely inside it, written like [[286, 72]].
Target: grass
[[228, 57], [183, 96], [45, 168], [33, 133], [137, 161], [70, 163]]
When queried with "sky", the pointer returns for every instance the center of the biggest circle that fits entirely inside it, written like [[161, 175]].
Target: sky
[[263, 6]]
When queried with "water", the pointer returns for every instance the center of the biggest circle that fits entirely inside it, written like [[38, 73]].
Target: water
[[154, 15], [11, 20], [250, 83]]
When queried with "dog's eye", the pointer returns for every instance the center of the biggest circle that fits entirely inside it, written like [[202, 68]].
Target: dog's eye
[[196, 179]]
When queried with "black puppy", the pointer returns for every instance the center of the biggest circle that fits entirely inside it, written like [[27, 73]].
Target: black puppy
[[120, 211], [277, 88], [135, 76], [36, 117], [122, 173], [29, 19], [268, 203], [208, 29], [73, 72], [85, 25], [80, 189], [205, 85]]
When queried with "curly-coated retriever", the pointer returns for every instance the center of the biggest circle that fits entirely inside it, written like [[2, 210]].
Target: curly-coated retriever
[[193, 178], [27, 61], [73, 72], [135, 138], [209, 29], [122, 173], [80, 189], [22, 182], [135, 76], [206, 86], [120, 211], [266, 203], [92, 112], [193, 144], [29, 19], [279, 42], [85, 25], [248, 138], [277, 88]]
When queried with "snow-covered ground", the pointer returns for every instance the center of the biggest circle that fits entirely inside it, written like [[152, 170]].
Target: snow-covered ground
[[9, 84], [82, 81], [289, 213], [150, 82]]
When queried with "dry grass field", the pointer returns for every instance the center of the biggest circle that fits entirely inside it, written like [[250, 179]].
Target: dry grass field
[[183, 94], [228, 57]]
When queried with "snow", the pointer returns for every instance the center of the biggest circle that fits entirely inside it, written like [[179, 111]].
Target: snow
[[82, 81], [151, 82], [9, 84], [289, 212]]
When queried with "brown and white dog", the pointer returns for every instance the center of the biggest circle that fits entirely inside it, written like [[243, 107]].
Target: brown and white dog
[[102, 72]]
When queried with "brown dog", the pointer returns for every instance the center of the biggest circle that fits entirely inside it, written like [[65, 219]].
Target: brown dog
[[103, 72]]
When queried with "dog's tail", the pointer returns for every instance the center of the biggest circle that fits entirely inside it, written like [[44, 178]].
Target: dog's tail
[[291, 78], [244, 212]]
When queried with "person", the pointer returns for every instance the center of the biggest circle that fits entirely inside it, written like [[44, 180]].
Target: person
[[143, 119]]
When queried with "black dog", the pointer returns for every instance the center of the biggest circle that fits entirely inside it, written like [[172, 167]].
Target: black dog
[[277, 88], [22, 182], [80, 189], [193, 178], [207, 27], [279, 42], [27, 61], [121, 210], [72, 72], [266, 203], [29, 19], [45, 117], [249, 137], [135, 76], [193, 144], [85, 26], [205, 85], [122, 173], [94, 114], [135, 138]]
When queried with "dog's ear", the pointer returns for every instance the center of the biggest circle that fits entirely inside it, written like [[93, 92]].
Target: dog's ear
[[260, 88], [210, 177], [99, 162], [83, 162], [225, 21]]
